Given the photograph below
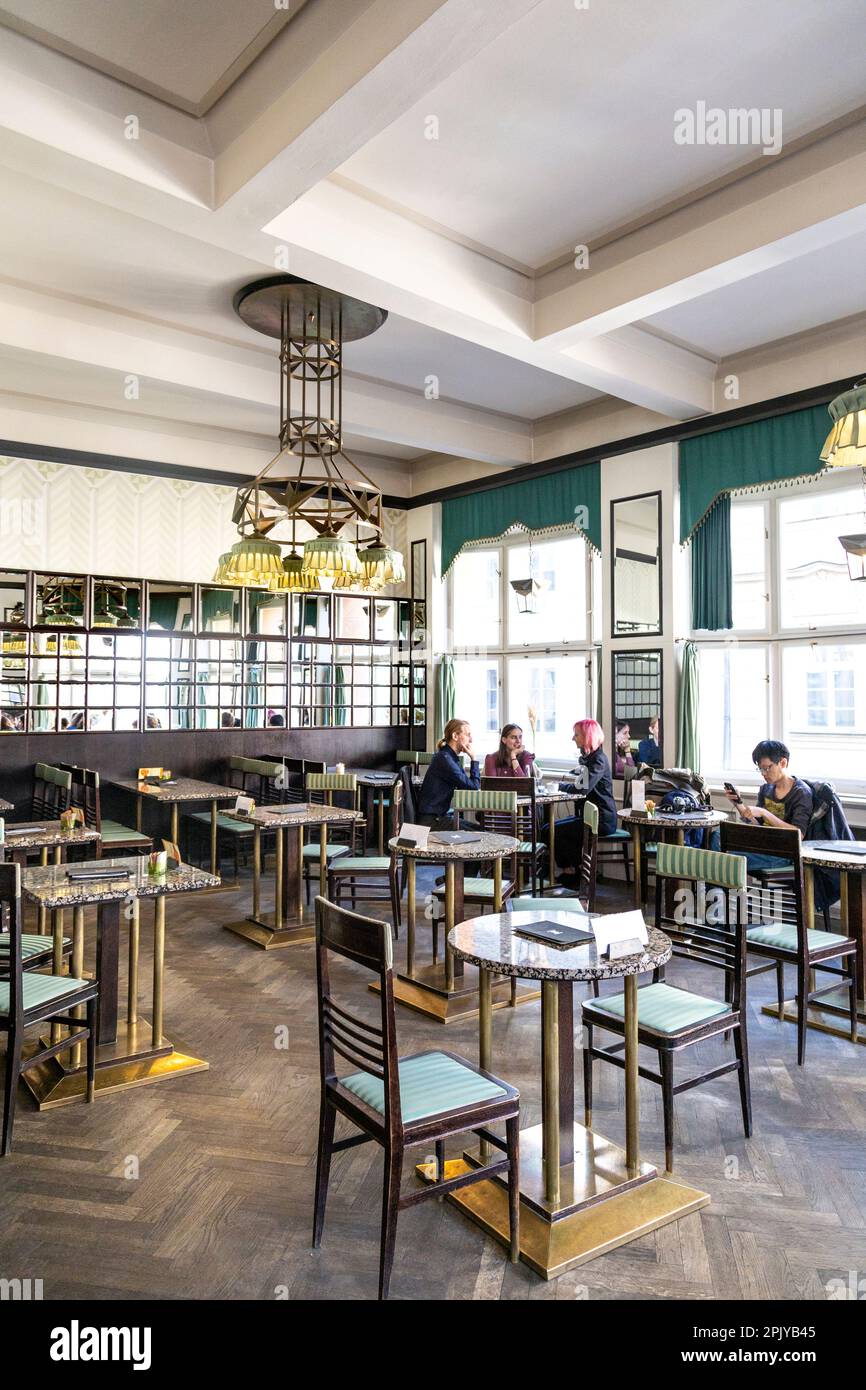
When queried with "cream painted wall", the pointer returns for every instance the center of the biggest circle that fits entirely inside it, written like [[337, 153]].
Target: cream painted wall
[[100, 521]]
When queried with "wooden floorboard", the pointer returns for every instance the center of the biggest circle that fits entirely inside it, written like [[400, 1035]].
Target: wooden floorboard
[[202, 1186]]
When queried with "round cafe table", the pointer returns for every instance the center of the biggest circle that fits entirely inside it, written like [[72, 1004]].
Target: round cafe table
[[664, 827], [581, 1195], [445, 991]]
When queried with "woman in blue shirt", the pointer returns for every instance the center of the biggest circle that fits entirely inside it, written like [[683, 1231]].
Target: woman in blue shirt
[[446, 774]]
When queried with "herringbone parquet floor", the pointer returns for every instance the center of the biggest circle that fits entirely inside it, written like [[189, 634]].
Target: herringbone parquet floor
[[202, 1187]]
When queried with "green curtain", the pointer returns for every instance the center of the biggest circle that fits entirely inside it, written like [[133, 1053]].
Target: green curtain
[[712, 583], [252, 713], [163, 611], [446, 694], [217, 603], [742, 456], [570, 497], [688, 736], [339, 695]]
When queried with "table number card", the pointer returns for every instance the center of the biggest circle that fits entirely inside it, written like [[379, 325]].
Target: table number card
[[638, 794], [619, 933], [416, 835], [244, 805]]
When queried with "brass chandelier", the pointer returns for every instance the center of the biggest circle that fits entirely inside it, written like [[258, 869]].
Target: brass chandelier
[[310, 480]]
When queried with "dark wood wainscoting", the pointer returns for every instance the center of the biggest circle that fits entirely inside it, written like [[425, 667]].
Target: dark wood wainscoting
[[202, 755]]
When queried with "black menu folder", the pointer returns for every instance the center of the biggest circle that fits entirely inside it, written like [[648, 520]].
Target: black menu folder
[[555, 934]]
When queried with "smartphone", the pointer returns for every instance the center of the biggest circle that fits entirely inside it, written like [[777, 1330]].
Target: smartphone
[[729, 787]]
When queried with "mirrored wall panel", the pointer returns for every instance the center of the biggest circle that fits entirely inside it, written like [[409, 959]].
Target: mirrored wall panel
[[637, 702], [636, 569]]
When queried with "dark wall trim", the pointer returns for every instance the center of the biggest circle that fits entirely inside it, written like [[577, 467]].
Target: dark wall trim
[[118, 463], [686, 429]]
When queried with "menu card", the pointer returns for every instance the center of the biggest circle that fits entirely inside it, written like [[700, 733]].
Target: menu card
[[416, 835], [619, 933]]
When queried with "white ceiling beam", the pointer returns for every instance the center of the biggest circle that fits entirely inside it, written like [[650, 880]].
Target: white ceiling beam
[[132, 353], [809, 200]]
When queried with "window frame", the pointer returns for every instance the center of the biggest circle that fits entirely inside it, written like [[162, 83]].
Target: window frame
[[504, 650], [774, 636]]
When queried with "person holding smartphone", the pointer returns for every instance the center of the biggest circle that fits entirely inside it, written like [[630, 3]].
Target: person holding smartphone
[[784, 801]]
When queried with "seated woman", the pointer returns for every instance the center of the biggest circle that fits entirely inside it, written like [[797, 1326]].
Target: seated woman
[[445, 775], [592, 776], [511, 758], [648, 750], [783, 800], [622, 757]]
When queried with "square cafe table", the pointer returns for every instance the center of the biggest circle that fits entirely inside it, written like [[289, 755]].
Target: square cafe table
[[174, 794], [24, 837], [130, 1052], [285, 926]]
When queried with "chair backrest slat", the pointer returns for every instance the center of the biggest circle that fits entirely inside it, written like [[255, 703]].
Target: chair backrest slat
[[368, 943], [704, 914]]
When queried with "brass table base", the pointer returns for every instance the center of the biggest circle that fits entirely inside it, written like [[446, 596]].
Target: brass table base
[[263, 931], [826, 1015], [602, 1206], [130, 1061], [425, 992]]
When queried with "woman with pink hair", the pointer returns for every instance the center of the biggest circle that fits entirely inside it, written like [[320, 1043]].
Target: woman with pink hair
[[593, 777]]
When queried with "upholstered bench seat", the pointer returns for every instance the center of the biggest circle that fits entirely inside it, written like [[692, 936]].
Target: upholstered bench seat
[[225, 823], [39, 989], [430, 1083], [661, 1007]]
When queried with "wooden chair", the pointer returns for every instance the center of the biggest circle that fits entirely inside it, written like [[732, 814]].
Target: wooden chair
[[253, 777], [28, 998], [399, 1102], [116, 838], [371, 877], [531, 852], [706, 927], [52, 791], [496, 814], [320, 789], [778, 929]]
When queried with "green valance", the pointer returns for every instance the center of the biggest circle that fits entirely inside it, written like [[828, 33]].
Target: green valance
[[570, 498], [747, 456]]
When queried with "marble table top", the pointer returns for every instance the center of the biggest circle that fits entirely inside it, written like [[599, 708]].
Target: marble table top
[[490, 942], [833, 858], [550, 797], [697, 820], [49, 887], [485, 847], [44, 834], [370, 777], [294, 813], [181, 789]]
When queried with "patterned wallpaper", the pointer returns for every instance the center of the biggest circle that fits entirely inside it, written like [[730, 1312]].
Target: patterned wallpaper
[[96, 521]]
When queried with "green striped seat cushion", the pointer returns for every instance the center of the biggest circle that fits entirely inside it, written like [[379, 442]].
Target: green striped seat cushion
[[701, 865], [40, 989], [525, 847], [359, 863], [547, 905], [618, 834], [226, 823], [429, 1085], [784, 935], [113, 830], [474, 888], [331, 851], [661, 1007], [31, 944]]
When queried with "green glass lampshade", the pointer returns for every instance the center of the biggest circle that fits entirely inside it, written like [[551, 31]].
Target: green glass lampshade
[[328, 556], [382, 565], [292, 577]]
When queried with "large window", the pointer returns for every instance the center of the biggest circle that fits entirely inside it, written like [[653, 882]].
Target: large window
[[794, 666], [509, 661]]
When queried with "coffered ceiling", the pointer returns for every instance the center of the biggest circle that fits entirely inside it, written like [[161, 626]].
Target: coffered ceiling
[[442, 158]]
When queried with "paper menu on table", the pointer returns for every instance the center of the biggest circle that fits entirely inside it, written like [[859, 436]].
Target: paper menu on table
[[612, 929]]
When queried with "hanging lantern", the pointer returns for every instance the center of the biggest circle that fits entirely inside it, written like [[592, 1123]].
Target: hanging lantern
[[327, 556], [381, 565], [292, 577], [527, 594], [855, 553]]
